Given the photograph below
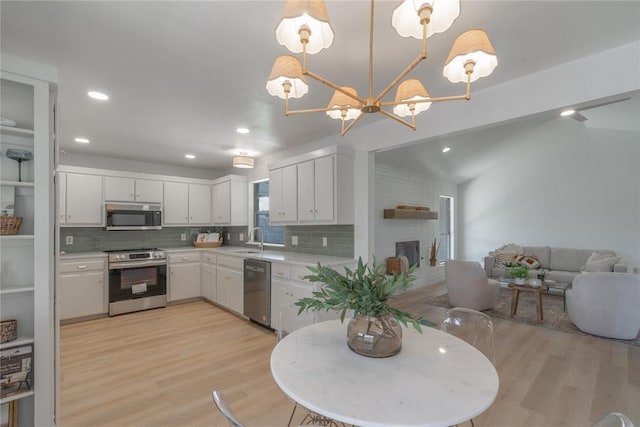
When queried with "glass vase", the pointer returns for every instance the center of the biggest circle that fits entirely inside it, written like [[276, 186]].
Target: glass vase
[[374, 336]]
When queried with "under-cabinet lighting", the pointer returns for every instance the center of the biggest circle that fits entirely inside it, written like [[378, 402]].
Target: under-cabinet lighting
[[190, 156], [242, 130], [82, 140]]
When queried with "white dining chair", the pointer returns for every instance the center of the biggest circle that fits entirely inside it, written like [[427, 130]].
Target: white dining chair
[[472, 326], [614, 419]]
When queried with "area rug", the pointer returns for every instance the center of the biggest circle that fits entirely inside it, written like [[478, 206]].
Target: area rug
[[554, 316]]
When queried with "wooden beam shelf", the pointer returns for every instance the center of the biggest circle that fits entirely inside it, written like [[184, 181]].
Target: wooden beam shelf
[[409, 214]]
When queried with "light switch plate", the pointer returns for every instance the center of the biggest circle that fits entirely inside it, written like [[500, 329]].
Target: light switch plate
[[69, 240], [241, 237], [324, 242], [183, 236], [294, 240]]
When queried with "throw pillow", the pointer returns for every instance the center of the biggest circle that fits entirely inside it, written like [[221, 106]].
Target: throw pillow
[[528, 261], [504, 259], [600, 263]]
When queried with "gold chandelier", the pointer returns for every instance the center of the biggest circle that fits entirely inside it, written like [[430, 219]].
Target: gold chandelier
[[305, 28]]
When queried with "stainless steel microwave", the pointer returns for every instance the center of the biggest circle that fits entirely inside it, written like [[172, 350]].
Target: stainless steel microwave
[[133, 216]]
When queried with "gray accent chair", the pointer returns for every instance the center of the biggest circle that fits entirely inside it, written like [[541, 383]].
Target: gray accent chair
[[468, 285], [606, 304]]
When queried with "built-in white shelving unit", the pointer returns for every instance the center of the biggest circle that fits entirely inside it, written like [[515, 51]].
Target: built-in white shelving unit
[[27, 280]]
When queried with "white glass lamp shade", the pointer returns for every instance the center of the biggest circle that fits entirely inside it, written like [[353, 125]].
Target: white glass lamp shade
[[243, 162], [339, 99], [473, 45], [411, 90], [287, 68], [313, 14], [406, 21]]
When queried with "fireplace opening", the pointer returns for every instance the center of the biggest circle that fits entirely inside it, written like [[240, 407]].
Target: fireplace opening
[[409, 249]]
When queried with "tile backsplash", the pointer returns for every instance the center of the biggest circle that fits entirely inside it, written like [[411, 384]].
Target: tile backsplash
[[310, 238]]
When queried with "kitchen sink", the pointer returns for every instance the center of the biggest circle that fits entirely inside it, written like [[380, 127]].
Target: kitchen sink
[[247, 251]]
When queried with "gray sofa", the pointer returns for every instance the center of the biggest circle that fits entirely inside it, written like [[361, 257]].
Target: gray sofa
[[559, 264]]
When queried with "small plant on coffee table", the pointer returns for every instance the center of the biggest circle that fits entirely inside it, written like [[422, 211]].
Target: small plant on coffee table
[[519, 272]]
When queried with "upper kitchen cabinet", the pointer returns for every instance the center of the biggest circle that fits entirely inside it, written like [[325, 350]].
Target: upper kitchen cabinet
[[186, 204], [230, 200], [118, 189], [81, 202], [27, 280], [283, 195], [322, 189]]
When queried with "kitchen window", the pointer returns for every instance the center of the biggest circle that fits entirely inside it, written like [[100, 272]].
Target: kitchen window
[[273, 234]]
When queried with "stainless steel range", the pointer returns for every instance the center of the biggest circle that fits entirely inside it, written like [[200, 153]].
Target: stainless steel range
[[137, 280]]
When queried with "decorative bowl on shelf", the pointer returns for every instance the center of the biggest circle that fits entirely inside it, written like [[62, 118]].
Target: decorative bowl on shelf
[[535, 283]]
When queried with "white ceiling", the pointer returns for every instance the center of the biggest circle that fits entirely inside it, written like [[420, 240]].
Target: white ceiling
[[183, 75]]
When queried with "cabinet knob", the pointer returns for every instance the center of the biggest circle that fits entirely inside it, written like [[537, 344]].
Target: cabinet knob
[[310, 210], [131, 195], [137, 195], [184, 258]]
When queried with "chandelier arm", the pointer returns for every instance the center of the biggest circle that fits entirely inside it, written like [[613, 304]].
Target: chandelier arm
[[312, 110], [371, 52], [334, 86], [397, 119], [352, 124], [406, 71]]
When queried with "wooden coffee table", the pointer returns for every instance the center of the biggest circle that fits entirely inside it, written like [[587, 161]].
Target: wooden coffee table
[[526, 288]]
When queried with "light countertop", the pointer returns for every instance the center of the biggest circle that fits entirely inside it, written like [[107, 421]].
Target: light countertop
[[270, 255]]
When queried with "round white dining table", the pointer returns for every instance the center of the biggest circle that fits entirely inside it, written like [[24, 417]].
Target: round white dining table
[[435, 380]]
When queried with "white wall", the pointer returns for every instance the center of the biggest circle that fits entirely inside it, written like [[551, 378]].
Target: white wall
[[565, 186], [394, 187]]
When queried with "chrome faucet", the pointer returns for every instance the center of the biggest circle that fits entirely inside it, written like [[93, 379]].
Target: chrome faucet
[[251, 239]]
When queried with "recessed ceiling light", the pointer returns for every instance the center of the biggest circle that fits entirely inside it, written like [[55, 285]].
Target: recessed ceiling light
[[567, 112], [242, 130], [445, 149], [82, 140], [98, 95], [190, 156]]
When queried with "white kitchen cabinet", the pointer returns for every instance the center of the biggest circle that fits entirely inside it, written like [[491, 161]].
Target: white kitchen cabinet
[[27, 283], [199, 204], [176, 203], [230, 201], [82, 287], [208, 278], [230, 285], [283, 195], [316, 190], [83, 202], [184, 275], [132, 190], [186, 204], [286, 290]]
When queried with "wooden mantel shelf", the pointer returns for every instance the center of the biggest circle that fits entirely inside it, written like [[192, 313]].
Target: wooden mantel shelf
[[409, 214]]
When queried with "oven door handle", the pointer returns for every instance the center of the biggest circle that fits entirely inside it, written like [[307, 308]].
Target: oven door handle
[[124, 265]]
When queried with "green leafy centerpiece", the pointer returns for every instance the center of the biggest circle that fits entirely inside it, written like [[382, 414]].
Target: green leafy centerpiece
[[375, 328]]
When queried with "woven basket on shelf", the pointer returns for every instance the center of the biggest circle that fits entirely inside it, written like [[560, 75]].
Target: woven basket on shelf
[[9, 225], [208, 244]]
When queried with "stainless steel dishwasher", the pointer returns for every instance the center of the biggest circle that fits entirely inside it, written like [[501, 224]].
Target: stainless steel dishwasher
[[257, 291]]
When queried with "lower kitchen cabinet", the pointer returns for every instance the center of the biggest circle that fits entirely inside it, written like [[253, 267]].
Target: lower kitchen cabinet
[[82, 289], [184, 275], [230, 286], [208, 279], [286, 292]]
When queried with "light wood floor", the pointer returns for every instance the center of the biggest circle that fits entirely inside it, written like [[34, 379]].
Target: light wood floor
[[158, 367]]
